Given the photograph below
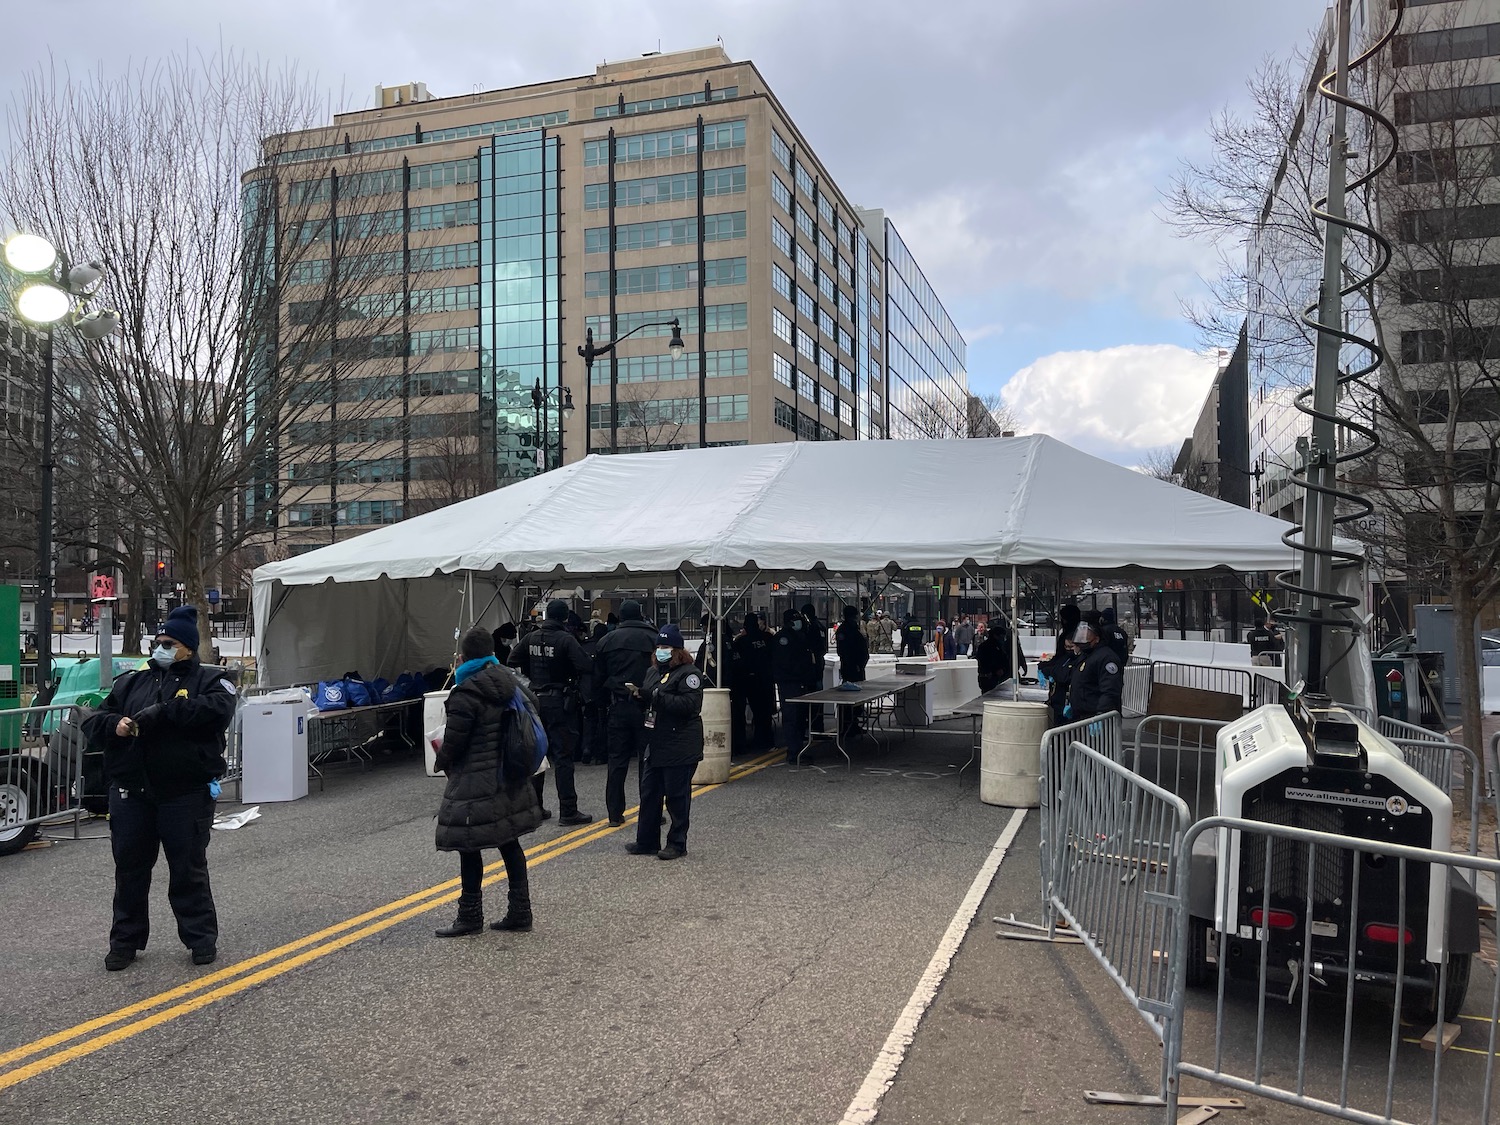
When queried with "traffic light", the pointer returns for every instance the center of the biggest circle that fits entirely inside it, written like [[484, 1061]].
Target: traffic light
[[160, 566]]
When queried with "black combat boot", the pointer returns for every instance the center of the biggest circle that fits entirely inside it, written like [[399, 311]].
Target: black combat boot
[[470, 918], [517, 908]]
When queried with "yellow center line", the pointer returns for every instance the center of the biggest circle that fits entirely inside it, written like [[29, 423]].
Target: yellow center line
[[239, 977]]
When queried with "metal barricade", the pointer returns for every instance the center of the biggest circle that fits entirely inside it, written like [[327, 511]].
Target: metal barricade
[[1115, 873], [1434, 756], [1103, 734], [1340, 1054], [42, 753], [1135, 696], [1179, 754], [1208, 677]]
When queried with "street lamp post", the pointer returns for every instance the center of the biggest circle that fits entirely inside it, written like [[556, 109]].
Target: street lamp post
[[564, 412], [53, 293], [589, 351]]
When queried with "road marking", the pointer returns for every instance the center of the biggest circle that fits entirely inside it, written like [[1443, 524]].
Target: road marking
[[866, 1103], [237, 978]]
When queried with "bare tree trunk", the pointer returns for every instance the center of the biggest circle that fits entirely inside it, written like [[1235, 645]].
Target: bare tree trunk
[[1470, 685]]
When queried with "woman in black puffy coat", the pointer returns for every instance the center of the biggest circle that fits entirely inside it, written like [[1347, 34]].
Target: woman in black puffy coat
[[489, 802], [674, 746]]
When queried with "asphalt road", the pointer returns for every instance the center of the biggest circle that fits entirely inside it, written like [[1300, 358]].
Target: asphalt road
[[755, 981]]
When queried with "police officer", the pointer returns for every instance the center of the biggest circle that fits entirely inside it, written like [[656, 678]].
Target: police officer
[[913, 637], [789, 663], [1112, 636], [854, 656], [817, 649], [1099, 679], [555, 663], [1266, 644], [673, 689], [623, 659], [162, 734], [752, 682]]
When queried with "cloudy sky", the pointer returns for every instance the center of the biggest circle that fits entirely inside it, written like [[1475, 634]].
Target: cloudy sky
[[1021, 147]]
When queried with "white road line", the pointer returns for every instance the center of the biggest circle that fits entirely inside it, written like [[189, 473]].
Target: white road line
[[866, 1103]]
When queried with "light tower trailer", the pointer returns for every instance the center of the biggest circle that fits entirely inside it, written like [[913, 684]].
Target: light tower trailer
[[1311, 764]]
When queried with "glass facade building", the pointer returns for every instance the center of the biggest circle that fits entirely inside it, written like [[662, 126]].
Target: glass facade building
[[460, 249]]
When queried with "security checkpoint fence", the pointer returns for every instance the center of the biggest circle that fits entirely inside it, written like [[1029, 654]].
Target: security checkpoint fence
[[1253, 690], [1135, 695], [1349, 1054], [1112, 876], [41, 772], [1179, 754], [1447, 764], [1104, 735]]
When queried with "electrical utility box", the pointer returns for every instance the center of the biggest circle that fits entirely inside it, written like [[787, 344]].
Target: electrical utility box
[[1438, 632], [10, 666]]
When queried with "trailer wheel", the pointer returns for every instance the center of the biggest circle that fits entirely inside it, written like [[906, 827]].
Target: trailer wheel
[[1421, 1007], [16, 805], [1199, 969]]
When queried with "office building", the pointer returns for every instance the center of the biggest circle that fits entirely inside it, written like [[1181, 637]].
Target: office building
[[1215, 460], [665, 188]]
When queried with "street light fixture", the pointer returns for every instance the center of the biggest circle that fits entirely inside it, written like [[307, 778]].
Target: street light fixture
[[53, 295], [564, 412], [589, 351]]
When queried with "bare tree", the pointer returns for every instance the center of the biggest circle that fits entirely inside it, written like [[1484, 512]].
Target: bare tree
[[1159, 462], [453, 465], [647, 421], [229, 292], [1434, 400], [989, 415]]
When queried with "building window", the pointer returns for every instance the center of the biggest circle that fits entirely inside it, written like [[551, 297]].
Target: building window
[[806, 388], [665, 143], [825, 323], [1448, 105], [825, 247], [806, 344], [781, 237], [804, 179], [825, 285], [728, 408], [846, 413], [724, 227], [676, 101], [1447, 45], [722, 318], [846, 273], [875, 339], [781, 193], [1446, 223], [781, 369], [785, 416], [846, 342], [805, 222], [826, 402], [646, 369], [846, 378], [781, 281], [728, 362], [825, 361], [825, 209], [445, 216], [781, 151], [846, 236], [846, 306], [724, 271], [806, 263], [717, 318], [781, 325], [806, 306], [724, 181]]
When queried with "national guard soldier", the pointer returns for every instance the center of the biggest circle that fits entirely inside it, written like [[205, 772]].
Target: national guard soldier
[[555, 663]]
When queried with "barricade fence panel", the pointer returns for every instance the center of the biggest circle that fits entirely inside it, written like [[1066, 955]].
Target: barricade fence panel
[[1334, 957], [1208, 677], [1114, 876], [42, 772], [1180, 754], [1104, 734], [1135, 696], [1449, 765]]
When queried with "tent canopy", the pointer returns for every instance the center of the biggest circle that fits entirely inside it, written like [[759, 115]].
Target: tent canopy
[[916, 506]]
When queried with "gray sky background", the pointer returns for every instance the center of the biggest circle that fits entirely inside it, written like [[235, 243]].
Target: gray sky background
[[1020, 147]]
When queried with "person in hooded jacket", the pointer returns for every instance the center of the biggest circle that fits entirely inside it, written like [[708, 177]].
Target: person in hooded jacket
[[553, 660], [913, 637], [673, 690], [1112, 635], [1064, 661], [789, 660], [854, 657], [489, 801], [992, 656], [752, 683], [623, 659], [162, 733]]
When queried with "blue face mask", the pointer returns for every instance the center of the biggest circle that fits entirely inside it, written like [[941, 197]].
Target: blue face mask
[[797, 625], [663, 655], [164, 656]]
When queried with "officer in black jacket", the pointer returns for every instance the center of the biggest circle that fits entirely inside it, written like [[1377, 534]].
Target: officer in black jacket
[[162, 734], [623, 658], [752, 682], [817, 649], [913, 637], [789, 660], [555, 663], [1099, 679], [1112, 636], [854, 657], [673, 689]]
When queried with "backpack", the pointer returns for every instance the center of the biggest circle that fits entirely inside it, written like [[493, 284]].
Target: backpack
[[523, 738]]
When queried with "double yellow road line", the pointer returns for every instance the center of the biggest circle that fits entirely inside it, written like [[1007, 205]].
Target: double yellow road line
[[52, 1051]]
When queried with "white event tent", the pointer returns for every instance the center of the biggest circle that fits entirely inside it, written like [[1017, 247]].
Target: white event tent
[[391, 599]]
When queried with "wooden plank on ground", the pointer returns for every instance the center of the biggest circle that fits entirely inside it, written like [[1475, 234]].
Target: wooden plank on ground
[[1450, 1033]]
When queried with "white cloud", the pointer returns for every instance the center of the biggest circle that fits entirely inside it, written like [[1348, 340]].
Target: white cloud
[[1116, 402]]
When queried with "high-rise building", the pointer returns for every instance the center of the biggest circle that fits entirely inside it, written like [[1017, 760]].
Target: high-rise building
[[664, 188], [20, 435]]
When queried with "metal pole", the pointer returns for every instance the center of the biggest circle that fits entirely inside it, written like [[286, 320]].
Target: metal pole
[[1317, 523], [1015, 637], [718, 627], [106, 646], [44, 524]]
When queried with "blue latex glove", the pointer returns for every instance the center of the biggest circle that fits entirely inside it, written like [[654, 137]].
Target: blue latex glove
[[1068, 711], [214, 789], [1094, 729]]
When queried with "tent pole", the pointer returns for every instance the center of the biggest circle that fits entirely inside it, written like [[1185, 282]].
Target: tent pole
[[718, 627], [1015, 638]]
